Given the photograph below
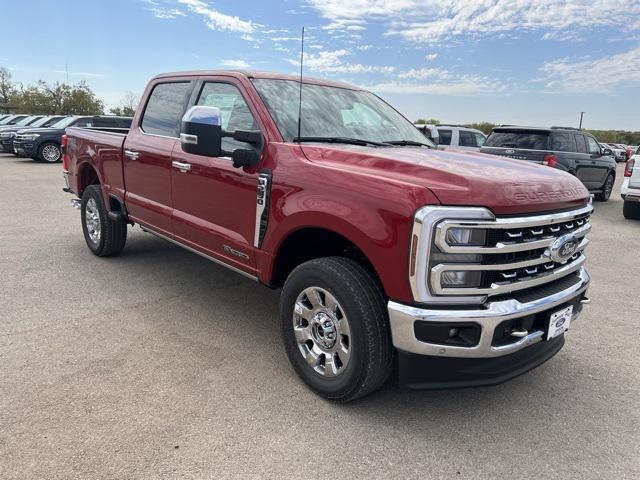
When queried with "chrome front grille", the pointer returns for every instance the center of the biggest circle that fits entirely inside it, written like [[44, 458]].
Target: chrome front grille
[[516, 255]]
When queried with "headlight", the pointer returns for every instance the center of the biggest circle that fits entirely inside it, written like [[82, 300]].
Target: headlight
[[31, 137], [466, 236], [6, 134]]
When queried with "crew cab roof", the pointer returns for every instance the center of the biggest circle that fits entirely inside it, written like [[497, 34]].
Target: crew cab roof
[[256, 74]]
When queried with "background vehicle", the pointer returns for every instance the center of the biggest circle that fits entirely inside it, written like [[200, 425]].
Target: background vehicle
[[619, 154], [631, 187], [11, 119], [568, 149], [430, 131], [44, 143], [455, 136], [362, 223], [7, 134]]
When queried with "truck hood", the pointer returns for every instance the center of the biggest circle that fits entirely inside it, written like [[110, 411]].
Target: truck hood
[[52, 131], [462, 178]]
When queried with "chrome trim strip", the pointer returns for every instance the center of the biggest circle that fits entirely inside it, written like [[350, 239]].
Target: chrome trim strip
[[193, 250], [402, 318], [262, 205]]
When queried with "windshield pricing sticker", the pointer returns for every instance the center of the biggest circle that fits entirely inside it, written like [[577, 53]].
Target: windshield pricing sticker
[[559, 322]]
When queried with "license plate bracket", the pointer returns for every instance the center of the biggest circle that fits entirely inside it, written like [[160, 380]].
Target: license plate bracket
[[559, 322]]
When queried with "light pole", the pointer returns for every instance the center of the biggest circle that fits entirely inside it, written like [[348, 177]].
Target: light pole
[[581, 114]]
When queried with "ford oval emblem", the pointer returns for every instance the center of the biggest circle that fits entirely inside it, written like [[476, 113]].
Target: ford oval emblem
[[509, 151], [563, 247], [560, 322]]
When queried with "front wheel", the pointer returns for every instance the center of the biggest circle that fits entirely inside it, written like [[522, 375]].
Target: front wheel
[[335, 328], [607, 188], [103, 235], [50, 152]]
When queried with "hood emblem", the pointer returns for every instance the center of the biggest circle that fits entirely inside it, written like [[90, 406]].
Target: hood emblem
[[509, 151], [563, 248]]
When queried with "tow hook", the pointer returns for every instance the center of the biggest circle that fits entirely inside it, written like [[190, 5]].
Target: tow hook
[[76, 202], [585, 301]]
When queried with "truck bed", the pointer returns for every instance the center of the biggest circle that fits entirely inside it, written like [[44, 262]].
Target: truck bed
[[100, 147]]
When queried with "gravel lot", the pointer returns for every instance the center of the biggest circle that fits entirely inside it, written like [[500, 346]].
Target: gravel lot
[[159, 364]]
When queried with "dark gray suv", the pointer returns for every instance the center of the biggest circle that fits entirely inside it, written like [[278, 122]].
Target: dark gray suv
[[569, 149]]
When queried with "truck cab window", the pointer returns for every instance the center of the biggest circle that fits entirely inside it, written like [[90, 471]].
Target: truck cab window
[[467, 139], [235, 113], [445, 137], [582, 147], [165, 108]]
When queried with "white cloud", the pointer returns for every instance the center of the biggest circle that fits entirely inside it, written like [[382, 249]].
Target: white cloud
[[602, 75], [239, 64], [161, 12], [434, 20], [422, 73], [463, 85], [333, 62], [364, 48], [216, 20], [79, 74], [431, 57]]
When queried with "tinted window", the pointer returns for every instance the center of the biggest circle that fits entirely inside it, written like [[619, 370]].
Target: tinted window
[[581, 144], [467, 139], [519, 139], [165, 108], [562, 142], [83, 122], [445, 137], [480, 139], [593, 146], [112, 122]]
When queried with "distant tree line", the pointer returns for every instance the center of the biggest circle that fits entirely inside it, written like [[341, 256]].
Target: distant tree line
[[58, 98], [606, 136]]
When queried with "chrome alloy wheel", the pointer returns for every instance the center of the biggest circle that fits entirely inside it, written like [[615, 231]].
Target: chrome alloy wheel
[[51, 153], [92, 221], [322, 331]]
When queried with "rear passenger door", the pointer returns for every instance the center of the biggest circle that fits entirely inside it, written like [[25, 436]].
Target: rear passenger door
[[147, 154], [600, 163], [586, 168]]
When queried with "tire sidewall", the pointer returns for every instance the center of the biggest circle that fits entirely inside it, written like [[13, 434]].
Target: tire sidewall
[[354, 370], [93, 192]]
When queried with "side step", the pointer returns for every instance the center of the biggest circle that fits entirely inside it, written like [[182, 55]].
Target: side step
[[76, 202]]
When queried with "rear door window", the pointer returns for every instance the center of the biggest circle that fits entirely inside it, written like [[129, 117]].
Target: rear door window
[[467, 139], [445, 137], [480, 139], [563, 142], [581, 144], [519, 139], [165, 107]]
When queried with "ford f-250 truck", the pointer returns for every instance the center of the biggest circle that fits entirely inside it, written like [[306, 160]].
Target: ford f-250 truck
[[451, 268]]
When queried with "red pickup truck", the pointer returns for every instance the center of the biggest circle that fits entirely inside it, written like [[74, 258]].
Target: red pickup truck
[[451, 268]]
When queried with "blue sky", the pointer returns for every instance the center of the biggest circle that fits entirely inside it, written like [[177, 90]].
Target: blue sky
[[505, 61]]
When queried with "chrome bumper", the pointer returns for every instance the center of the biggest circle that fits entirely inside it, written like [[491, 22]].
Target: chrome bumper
[[402, 318]]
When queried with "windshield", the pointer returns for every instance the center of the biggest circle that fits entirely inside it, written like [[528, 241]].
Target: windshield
[[65, 122], [26, 120], [40, 122], [334, 112], [518, 139], [6, 120]]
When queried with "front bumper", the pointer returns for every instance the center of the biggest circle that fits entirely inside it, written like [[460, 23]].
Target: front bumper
[[6, 146], [403, 319], [24, 149]]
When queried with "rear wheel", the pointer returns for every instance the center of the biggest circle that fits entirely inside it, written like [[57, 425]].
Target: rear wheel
[[103, 235], [631, 210], [607, 188], [50, 152], [335, 328]]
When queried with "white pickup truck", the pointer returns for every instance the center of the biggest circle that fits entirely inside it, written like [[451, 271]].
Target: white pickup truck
[[631, 187]]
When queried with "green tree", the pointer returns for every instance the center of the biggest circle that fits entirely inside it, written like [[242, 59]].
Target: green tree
[[430, 121], [7, 89], [484, 127], [128, 105]]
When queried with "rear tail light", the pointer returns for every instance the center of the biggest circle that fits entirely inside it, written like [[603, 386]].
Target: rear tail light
[[65, 157], [628, 170], [550, 160]]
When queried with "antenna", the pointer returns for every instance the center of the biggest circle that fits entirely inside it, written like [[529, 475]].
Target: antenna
[[300, 100]]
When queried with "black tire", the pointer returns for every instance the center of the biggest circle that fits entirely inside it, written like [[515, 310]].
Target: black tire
[[113, 233], [44, 154], [363, 301], [631, 210], [607, 188]]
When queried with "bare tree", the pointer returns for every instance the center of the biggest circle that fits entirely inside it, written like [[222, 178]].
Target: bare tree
[[6, 89]]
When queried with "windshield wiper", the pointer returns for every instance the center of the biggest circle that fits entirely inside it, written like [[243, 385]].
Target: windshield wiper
[[347, 140], [405, 143]]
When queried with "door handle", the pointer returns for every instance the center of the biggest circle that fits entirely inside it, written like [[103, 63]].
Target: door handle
[[132, 154], [183, 167]]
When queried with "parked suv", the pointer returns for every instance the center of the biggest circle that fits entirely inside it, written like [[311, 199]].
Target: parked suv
[[7, 134], [568, 149], [618, 153], [44, 143], [11, 120], [459, 136]]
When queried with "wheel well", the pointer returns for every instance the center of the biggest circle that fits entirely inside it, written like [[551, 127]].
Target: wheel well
[[86, 177], [309, 243]]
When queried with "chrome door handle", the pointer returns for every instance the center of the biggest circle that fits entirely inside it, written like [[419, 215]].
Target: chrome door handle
[[183, 167], [132, 154]]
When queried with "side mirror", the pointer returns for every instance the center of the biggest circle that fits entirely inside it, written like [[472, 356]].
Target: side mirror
[[244, 157], [607, 151], [201, 131]]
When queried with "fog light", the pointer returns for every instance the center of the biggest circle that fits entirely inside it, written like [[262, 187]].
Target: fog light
[[466, 236], [452, 278]]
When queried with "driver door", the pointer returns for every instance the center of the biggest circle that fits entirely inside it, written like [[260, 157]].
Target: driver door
[[214, 204]]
